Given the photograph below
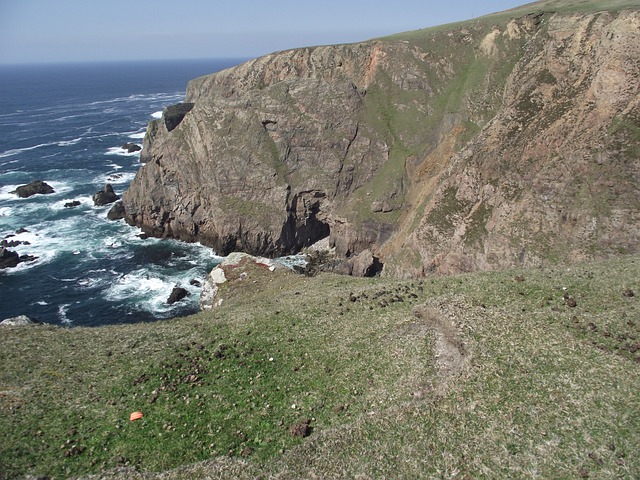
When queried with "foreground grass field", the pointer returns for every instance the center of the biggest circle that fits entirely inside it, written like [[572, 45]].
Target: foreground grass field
[[516, 374]]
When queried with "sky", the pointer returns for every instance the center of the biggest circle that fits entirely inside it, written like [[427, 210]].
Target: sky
[[39, 31]]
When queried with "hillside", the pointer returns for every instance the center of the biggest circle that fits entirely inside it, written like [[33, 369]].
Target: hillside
[[508, 140], [502, 151], [514, 374]]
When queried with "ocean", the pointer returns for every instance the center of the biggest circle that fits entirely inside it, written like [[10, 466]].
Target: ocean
[[65, 124]]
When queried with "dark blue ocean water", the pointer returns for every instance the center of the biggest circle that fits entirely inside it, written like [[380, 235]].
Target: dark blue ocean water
[[64, 124]]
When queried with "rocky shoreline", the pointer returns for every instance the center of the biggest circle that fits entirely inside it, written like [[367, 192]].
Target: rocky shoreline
[[435, 152]]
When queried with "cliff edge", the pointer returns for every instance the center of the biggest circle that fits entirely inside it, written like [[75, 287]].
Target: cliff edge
[[512, 139]]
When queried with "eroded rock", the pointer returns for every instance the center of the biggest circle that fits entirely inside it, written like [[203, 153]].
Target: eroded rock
[[116, 212], [19, 321], [174, 114], [105, 196], [374, 161], [37, 187], [178, 293], [8, 258], [131, 147]]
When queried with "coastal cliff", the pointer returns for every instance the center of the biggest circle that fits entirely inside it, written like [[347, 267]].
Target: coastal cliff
[[512, 139]]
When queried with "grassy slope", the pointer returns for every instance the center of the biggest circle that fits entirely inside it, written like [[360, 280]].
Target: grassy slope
[[544, 389], [550, 6]]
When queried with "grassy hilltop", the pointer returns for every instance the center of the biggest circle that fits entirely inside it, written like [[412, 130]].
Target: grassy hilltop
[[516, 374]]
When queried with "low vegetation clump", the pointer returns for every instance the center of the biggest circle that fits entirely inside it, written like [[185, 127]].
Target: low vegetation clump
[[516, 374]]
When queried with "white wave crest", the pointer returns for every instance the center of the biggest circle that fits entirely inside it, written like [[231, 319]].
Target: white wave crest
[[60, 204], [146, 291], [16, 151], [138, 135], [5, 192], [60, 187], [122, 152], [157, 115], [114, 178], [62, 314], [68, 143], [6, 211]]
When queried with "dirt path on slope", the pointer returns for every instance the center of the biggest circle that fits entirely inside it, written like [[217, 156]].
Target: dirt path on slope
[[450, 352]]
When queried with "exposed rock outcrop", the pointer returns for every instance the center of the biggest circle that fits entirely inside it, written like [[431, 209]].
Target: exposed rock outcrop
[[116, 212], [174, 114], [105, 196], [488, 144], [10, 258], [131, 147], [236, 267], [19, 321], [34, 188], [177, 294]]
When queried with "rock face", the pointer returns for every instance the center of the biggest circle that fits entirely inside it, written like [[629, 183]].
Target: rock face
[[33, 188], [511, 140], [8, 258], [19, 321], [174, 114], [131, 147], [105, 196], [237, 267], [116, 212], [177, 294]]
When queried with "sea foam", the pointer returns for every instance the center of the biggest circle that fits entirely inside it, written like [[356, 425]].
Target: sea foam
[[62, 314], [16, 151], [141, 288], [121, 151], [68, 143]]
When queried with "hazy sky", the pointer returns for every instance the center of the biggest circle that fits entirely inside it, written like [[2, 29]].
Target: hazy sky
[[81, 30]]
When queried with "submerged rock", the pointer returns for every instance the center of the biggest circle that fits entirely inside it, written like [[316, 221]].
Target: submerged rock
[[105, 196], [33, 188], [72, 204], [10, 243]]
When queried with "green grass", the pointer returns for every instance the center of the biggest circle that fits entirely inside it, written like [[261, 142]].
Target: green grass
[[544, 389]]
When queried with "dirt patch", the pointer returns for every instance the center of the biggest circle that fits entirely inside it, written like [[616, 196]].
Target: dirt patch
[[488, 44], [450, 352]]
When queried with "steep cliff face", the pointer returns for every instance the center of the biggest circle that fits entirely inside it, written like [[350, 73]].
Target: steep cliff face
[[267, 151], [509, 140], [553, 176]]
